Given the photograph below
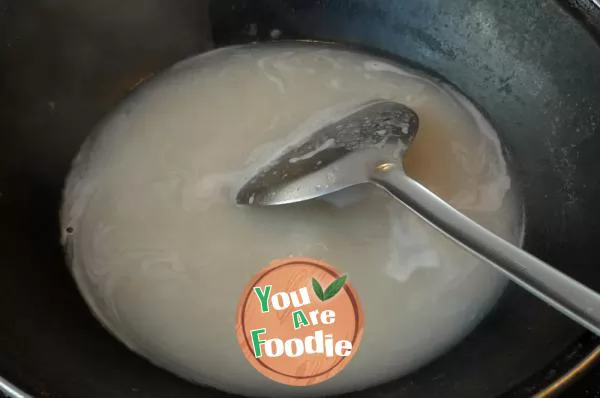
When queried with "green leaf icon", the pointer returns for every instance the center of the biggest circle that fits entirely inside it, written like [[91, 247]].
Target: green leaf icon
[[335, 287], [318, 289], [331, 290]]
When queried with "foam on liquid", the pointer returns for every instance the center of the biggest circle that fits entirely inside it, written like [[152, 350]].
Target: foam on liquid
[[161, 253]]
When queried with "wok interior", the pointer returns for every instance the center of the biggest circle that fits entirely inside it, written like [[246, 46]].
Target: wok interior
[[64, 64]]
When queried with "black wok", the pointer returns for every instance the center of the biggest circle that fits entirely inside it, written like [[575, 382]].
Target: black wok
[[532, 66]]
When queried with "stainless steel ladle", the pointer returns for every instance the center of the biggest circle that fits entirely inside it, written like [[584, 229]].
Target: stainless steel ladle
[[366, 146]]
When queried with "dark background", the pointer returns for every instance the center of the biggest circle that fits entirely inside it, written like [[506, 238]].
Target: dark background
[[588, 386]]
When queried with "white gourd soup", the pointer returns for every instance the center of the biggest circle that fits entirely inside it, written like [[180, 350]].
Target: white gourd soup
[[161, 252]]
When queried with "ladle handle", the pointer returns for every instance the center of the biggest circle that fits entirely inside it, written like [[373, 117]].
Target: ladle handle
[[570, 297]]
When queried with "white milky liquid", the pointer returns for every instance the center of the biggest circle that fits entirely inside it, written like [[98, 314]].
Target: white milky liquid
[[161, 253]]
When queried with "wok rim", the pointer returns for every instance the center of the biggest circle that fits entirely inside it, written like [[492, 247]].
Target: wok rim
[[560, 384]]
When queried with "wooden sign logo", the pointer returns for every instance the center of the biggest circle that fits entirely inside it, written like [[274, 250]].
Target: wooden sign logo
[[299, 322]]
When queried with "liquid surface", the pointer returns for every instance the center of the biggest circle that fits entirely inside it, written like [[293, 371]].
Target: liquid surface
[[161, 253]]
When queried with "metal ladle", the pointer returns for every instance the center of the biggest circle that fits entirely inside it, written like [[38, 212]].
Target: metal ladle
[[366, 146]]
